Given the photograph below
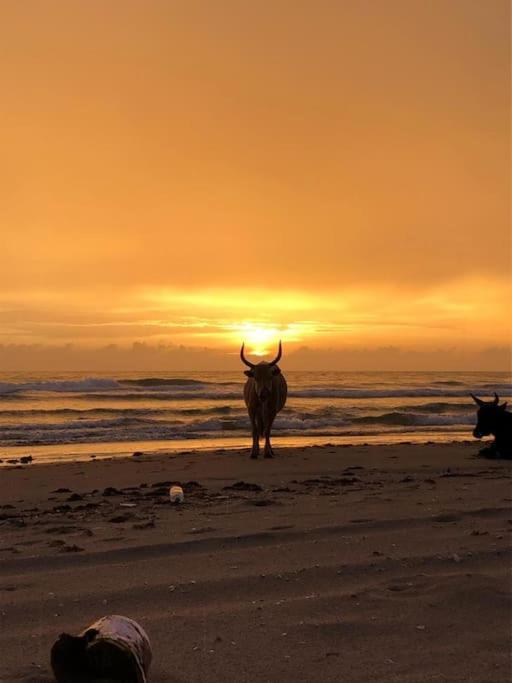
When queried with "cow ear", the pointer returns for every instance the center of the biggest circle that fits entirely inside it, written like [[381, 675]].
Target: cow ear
[[249, 373], [276, 370], [503, 406]]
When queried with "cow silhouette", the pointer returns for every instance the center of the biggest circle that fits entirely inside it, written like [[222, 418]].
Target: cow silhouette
[[494, 419], [265, 395]]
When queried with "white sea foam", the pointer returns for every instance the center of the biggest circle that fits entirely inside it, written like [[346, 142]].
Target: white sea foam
[[82, 385], [105, 389], [98, 409]]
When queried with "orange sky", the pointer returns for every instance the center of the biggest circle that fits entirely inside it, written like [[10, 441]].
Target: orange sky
[[183, 175]]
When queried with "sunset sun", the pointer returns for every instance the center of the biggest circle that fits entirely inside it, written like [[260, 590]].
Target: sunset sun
[[262, 339]]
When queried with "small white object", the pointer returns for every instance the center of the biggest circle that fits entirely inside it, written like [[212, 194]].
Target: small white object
[[176, 494]]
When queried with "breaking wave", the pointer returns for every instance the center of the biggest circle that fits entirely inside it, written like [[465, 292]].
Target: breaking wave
[[160, 382], [410, 419], [136, 427], [184, 389], [409, 392], [71, 409], [83, 385]]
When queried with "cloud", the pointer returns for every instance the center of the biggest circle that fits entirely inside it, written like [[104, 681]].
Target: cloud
[[157, 358], [464, 313]]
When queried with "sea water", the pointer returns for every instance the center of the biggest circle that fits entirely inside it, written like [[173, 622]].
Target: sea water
[[76, 415]]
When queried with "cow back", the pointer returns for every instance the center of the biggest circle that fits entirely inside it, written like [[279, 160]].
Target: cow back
[[278, 398], [250, 397], [280, 388]]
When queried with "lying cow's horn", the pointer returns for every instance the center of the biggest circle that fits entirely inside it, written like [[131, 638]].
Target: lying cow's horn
[[496, 399], [243, 359], [477, 400], [279, 354]]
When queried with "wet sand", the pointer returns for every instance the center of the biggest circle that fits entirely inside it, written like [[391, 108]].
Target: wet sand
[[388, 563]]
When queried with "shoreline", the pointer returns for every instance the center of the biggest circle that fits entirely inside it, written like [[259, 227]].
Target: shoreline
[[83, 452]]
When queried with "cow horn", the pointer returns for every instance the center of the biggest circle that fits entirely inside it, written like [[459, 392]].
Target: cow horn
[[243, 359], [496, 399], [477, 400], [279, 354]]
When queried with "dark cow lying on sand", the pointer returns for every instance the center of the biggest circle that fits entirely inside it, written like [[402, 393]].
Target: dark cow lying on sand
[[265, 395], [493, 418]]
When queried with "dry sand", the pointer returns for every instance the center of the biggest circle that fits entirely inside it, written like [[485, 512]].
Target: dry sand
[[341, 564]]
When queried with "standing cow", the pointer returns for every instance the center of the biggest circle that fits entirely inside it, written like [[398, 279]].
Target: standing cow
[[265, 395], [494, 419]]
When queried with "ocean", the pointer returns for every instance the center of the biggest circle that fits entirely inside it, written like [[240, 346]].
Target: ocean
[[76, 414]]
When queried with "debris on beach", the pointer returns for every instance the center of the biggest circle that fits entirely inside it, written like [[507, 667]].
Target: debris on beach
[[114, 648], [176, 495], [243, 486], [111, 491]]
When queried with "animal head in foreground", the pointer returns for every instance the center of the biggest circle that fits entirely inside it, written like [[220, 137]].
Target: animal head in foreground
[[489, 416], [262, 373]]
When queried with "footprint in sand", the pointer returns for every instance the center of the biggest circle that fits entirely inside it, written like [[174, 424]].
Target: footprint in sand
[[36, 673], [150, 524], [64, 530], [262, 502], [119, 519], [62, 508], [202, 530], [113, 539], [243, 486], [56, 543], [111, 491], [446, 518]]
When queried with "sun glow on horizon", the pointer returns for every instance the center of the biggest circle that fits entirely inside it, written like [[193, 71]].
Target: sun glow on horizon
[[262, 339]]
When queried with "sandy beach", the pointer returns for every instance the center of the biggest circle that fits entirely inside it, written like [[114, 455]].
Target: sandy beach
[[388, 563]]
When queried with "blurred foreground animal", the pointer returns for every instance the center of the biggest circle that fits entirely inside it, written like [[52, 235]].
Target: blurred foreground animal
[[265, 395], [493, 418], [114, 649]]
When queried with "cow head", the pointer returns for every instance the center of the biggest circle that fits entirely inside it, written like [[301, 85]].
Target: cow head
[[262, 373], [488, 416]]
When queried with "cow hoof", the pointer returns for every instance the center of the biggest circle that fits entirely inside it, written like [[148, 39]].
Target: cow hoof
[[254, 456], [269, 455]]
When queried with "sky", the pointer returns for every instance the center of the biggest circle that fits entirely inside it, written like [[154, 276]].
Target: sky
[[179, 176]]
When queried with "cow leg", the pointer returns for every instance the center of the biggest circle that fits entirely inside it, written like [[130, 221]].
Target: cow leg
[[489, 452], [255, 451], [503, 447], [269, 453]]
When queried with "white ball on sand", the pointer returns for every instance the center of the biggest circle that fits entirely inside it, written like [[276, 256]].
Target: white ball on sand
[[176, 494]]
